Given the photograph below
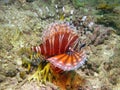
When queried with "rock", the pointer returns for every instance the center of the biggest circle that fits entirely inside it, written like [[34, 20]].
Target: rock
[[10, 73], [2, 78], [30, 0], [117, 10], [10, 70], [7, 1]]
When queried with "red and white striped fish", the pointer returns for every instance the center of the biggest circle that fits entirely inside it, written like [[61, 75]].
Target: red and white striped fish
[[58, 47]]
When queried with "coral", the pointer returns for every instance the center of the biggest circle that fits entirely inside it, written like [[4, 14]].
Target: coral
[[92, 33], [42, 74], [31, 60], [21, 24]]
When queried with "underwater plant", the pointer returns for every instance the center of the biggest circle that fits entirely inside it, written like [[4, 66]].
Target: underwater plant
[[78, 3]]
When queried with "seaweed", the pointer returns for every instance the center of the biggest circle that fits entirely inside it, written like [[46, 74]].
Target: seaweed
[[105, 8], [78, 3]]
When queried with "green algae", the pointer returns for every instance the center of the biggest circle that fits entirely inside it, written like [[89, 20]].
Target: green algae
[[78, 3], [109, 15]]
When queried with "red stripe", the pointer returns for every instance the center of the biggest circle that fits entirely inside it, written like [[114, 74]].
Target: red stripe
[[64, 42], [47, 47], [56, 44], [42, 49]]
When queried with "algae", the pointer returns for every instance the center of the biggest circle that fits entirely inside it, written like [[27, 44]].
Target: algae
[[78, 3]]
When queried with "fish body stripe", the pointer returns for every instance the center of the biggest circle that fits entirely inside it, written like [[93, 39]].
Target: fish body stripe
[[57, 40], [68, 62]]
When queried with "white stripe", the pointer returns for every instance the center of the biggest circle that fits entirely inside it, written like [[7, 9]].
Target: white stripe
[[36, 48], [50, 45], [44, 46], [69, 40], [53, 40], [60, 41], [32, 48], [39, 49]]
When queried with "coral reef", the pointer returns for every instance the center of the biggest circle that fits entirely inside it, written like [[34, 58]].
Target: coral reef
[[93, 34], [90, 35], [21, 25]]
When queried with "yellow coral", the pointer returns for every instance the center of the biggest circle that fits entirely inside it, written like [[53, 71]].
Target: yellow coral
[[42, 74]]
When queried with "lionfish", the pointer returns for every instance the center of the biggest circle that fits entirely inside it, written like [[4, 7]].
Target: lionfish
[[59, 47]]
